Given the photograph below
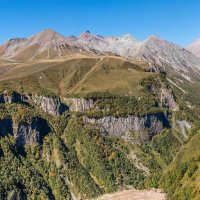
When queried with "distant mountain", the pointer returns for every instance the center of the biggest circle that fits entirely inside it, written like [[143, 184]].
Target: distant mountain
[[49, 44], [155, 50], [169, 56], [118, 45], [195, 47]]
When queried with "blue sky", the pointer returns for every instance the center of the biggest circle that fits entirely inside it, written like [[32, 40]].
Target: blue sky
[[175, 20]]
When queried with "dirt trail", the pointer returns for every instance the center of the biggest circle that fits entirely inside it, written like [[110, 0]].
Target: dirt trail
[[135, 195]]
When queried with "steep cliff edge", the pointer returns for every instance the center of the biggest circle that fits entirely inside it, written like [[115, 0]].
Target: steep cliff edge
[[167, 99], [163, 95], [79, 104], [162, 91], [50, 105], [25, 132], [132, 128], [135, 120], [30, 132]]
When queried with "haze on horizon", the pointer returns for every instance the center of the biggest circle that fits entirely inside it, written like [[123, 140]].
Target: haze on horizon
[[176, 21]]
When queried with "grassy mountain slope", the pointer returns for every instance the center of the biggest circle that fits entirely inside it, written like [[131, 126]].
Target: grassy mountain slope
[[181, 179], [79, 76]]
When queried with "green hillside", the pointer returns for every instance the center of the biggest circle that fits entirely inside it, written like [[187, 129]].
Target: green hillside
[[79, 76]]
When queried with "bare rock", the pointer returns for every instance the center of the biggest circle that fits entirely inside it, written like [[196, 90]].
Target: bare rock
[[132, 128], [25, 132], [79, 104], [167, 99], [50, 105]]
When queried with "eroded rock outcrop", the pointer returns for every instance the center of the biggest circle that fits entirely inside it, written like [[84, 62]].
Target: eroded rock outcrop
[[30, 132], [50, 105], [79, 104], [133, 129], [167, 99]]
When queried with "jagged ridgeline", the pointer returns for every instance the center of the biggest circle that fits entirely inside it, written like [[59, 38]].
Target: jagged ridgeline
[[84, 127]]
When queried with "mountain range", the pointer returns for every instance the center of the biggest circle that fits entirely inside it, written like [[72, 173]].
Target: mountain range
[[49, 44]]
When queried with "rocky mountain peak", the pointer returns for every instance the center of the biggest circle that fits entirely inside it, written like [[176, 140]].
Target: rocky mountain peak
[[194, 47], [127, 36], [156, 40], [71, 38], [154, 37], [48, 35], [85, 35]]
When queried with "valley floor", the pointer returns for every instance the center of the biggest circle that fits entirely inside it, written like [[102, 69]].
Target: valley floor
[[135, 195]]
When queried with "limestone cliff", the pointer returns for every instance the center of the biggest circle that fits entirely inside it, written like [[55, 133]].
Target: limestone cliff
[[25, 132], [132, 128], [50, 105], [79, 104]]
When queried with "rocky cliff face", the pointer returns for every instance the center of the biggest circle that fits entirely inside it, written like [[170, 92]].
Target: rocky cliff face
[[167, 99], [79, 104], [133, 129], [25, 132], [165, 96], [50, 105], [30, 132]]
